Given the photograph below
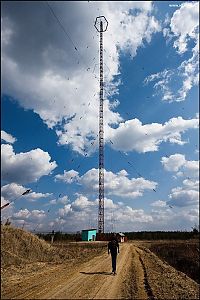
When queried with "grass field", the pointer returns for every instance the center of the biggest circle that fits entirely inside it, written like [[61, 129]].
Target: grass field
[[20, 247], [182, 255], [80, 250]]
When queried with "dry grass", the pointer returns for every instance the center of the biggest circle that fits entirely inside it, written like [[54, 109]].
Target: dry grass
[[19, 247], [182, 255]]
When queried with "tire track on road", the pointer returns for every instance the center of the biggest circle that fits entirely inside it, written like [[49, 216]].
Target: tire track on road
[[140, 275], [147, 286], [112, 287], [94, 281], [161, 281]]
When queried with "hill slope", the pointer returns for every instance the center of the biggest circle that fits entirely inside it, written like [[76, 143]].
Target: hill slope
[[19, 246]]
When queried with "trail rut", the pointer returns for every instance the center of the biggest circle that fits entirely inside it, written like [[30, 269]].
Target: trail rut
[[140, 275]]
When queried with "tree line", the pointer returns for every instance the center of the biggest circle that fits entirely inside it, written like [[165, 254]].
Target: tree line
[[162, 235], [140, 235]]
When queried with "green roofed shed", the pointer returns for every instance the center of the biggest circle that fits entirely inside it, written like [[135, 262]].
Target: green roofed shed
[[89, 235]]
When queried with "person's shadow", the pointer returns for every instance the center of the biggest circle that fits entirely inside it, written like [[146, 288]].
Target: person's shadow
[[98, 273]]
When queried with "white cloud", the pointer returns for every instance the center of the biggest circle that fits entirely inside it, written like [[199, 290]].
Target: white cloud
[[178, 163], [6, 212], [55, 76], [184, 28], [133, 135], [183, 197], [109, 204], [52, 202], [173, 162], [34, 215], [7, 137], [65, 210], [22, 214], [162, 83], [62, 200], [181, 218], [25, 167], [80, 209], [190, 184], [186, 195], [85, 211], [184, 24], [128, 214], [118, 217], [68, 176], [159, 203], [35, 196], [12, 191], [115, 184], [3, 201], [189, 70], [82, 202], [84, 205], [194, 212], [191, 168]]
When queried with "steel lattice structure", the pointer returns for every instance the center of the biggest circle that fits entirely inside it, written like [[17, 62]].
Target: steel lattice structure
[[101, 25]]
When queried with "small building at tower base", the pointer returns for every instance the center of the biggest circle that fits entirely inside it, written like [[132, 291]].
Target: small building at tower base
[[89, 235]]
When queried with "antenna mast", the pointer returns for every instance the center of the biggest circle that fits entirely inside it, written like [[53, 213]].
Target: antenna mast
[[101, 25]]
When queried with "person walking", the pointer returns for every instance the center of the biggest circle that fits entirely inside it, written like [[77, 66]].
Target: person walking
[[113, 246]]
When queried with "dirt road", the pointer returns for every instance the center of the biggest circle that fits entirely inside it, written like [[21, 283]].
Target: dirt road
[[140, 275]]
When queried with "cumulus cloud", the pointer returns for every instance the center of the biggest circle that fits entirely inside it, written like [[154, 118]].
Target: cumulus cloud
[[115, 184], [55, 75], [191, 184], [65, 210], [83, 205], [34, 215], [174, 219], [173, 162], [187, 194], [110, 205], [22, 214], [183, 197], [13, 191], [8, 138], [183, 29], [85, 211], [62, 200], [159, 203], [133, 135], [68, 176], [25, 167], [184, 24], [118, 216], [7, 212], [3, 201], [35, 196], [129, 214], [82, 202], [178, 163]]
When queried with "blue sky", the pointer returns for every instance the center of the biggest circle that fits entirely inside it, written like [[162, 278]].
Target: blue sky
[[50, 104]]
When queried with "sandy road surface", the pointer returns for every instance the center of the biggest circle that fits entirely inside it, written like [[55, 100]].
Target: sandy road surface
[[140, 275]]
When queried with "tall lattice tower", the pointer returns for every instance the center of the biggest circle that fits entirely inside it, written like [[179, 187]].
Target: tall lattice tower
[[101, 25]]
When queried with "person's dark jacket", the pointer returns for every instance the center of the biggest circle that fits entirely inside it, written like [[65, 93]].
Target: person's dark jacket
[[113, 245]]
